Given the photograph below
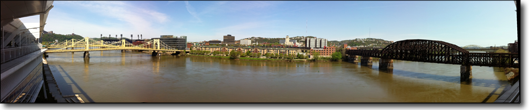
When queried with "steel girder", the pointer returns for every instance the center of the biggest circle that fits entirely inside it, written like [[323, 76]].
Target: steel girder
[[438, 52]]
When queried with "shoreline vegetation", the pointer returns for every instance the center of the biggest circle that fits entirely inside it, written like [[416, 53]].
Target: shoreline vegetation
[[235, 55]]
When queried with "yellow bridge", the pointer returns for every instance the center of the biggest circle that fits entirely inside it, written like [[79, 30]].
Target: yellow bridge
[[88, 44]]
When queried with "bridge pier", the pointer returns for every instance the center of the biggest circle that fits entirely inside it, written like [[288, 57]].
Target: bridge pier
[[386, 64], [353, 59], [465, 73], [86, 54], [154, 53], [366, 61]]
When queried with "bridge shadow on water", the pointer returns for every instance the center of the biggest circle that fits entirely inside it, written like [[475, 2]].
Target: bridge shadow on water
[[452, 79]]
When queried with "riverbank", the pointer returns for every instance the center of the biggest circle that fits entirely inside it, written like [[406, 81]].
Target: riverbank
[[250, 58]]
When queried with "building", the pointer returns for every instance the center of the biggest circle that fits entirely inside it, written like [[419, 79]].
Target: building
[[214, 42], [175, 42], [326, 52], [513, 47], [166, 36], [237, 42], [245, 42], [228, 39], [189, 45], [315, 42]]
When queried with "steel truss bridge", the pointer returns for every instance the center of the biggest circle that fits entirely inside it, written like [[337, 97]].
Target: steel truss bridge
[[438, 52], [88, 44]]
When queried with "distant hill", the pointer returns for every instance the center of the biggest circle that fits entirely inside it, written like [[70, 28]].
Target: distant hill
[[369, 42], [51, 37]]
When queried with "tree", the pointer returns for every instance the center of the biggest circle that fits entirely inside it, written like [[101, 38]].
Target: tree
[[298, 55], [247, 53], [316, 55], [234, 54], [336, 56], [259, 55], [268, 55]]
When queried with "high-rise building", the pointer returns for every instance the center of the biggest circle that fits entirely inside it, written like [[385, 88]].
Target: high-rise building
[[228, 39], [175, 42], [315, 42], [245, 42]]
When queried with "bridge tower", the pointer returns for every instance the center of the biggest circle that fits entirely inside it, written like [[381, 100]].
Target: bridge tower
[[87, 43], [122, 42], [156, 46], [86, 54], [73, 43]]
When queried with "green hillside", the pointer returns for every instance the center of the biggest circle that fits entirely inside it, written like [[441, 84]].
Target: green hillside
[[368, 42], [59, 37]]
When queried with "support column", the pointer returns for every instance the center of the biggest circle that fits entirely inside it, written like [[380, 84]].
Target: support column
[[154, 53], [386, 64], [73, 43], [353, 59], [86, 54], [366, 61], [465, 73], [122, 42], [87, 46]]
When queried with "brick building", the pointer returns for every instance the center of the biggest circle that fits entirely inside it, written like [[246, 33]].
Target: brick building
[[326, 51]]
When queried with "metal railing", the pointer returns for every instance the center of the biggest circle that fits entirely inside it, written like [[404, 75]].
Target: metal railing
[[9, 54]]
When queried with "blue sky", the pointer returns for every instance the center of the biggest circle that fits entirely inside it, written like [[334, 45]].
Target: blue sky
[[483, 23]]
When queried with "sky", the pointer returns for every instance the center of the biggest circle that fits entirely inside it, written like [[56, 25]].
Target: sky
[[483, 23]]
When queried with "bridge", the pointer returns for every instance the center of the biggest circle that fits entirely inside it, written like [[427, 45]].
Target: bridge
[[87, 44], [435, 52]]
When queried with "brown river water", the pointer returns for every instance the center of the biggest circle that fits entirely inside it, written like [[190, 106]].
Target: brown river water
[[113, 76]]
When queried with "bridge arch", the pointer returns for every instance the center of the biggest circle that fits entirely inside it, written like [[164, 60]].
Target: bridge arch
[[425, 51]]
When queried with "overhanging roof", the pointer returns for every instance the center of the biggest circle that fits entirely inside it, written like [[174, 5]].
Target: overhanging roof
[[17, 9]]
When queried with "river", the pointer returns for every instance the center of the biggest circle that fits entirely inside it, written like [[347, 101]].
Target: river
[[113, 76]]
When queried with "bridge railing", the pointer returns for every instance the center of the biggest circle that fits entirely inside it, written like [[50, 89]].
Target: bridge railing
[[9, 54], [494, 59]]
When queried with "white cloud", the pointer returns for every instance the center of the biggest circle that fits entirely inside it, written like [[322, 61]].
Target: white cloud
[[138, 20], [191, 10]]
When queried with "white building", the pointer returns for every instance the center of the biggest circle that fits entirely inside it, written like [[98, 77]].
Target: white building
[[245, 42], [315, 42]]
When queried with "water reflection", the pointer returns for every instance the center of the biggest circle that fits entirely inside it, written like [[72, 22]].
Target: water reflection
[[122, 58], [138, 77], [86, 72]]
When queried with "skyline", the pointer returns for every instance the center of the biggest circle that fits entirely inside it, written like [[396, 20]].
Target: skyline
[[462, 24]]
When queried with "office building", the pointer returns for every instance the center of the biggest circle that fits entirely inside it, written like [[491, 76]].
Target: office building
[[228, 39]]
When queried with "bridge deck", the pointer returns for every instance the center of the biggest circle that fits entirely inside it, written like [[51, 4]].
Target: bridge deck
[[106, 49]]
